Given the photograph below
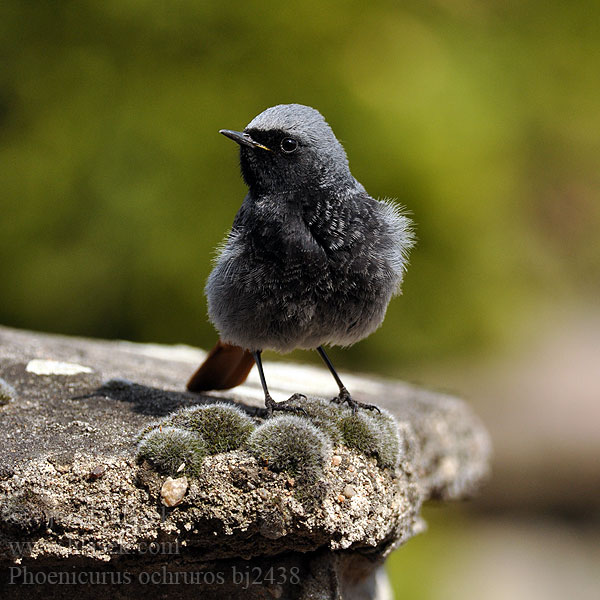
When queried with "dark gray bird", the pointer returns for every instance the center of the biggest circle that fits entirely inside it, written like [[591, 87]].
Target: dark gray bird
[[311, 259]]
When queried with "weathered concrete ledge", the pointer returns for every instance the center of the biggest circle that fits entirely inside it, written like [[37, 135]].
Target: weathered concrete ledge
[[77, 508]]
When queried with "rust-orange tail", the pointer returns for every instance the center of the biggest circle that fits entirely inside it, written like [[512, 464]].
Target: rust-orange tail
[[225, 367]]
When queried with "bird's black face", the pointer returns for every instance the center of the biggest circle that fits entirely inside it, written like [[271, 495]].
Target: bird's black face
[[290, 148], [281, 162]]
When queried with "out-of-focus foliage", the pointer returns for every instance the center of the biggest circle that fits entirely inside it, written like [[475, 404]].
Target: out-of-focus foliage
[[482, 118]]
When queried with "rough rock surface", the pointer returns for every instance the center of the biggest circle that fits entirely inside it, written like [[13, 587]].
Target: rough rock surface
[[76, 507]]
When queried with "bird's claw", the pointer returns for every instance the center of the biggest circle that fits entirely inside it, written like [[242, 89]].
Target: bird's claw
[[285, 406], [345, 397]]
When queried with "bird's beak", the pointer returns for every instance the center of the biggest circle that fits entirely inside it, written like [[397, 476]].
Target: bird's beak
[[243, 139]]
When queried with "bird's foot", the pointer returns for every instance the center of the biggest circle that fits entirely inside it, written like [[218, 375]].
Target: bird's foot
[[345, 397], [293, 398], [271, 405]]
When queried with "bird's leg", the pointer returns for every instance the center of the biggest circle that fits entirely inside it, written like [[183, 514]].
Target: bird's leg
[[270, 404], [344, 395]]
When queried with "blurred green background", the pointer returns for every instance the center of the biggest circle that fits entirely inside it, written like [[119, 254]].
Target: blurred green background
[[482, 118]]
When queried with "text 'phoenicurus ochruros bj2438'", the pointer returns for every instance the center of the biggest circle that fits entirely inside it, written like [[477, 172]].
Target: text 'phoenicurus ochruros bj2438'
[[311, 259]]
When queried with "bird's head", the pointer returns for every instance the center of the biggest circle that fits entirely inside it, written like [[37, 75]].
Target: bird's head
[[290, 147]]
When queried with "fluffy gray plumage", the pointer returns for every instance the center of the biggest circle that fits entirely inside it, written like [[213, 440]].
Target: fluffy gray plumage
[[311, 258]]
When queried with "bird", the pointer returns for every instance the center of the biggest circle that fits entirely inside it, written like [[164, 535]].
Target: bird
[[311, 260]]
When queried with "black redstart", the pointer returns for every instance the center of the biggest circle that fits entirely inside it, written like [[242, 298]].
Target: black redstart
[[311, 258]]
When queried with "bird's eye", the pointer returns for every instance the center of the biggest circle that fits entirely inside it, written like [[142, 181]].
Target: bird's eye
[[289, 145]]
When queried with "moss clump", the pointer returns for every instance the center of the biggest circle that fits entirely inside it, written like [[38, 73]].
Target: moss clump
[[323, 414], [297, 445], [167, 448], [7, 392], [372, 434], [150, 427], [390, 446], [359, 432], [190, 434], [223, 427], [292, 444]]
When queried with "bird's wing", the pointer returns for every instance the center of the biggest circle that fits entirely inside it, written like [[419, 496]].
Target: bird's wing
[[226, 366]]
